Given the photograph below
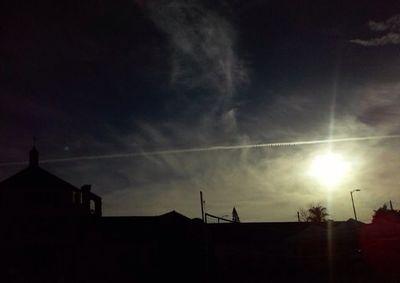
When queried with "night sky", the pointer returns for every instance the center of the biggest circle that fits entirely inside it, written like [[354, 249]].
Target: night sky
[[95, 78]]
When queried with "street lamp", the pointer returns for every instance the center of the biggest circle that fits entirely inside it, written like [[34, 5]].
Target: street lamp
[[352, 201]]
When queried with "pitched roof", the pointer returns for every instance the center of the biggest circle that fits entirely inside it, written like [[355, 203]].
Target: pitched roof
[[35, 178], [173, 217]]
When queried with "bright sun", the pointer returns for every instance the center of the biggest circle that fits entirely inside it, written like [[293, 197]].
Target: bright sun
[[329, 169]]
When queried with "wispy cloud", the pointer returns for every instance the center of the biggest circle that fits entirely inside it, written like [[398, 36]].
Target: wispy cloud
[[379, 107], [392, 29], [203, 58], [202, 45], [390, 38]]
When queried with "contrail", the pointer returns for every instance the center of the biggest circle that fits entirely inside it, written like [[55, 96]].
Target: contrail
[[203, 149]]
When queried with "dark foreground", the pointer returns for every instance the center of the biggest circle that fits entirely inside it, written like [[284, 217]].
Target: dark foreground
[[174, 248]]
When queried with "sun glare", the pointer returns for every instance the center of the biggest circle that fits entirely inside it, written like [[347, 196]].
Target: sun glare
[[329, 169]]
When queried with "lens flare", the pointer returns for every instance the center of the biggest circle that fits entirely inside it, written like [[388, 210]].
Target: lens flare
[[329, 169]]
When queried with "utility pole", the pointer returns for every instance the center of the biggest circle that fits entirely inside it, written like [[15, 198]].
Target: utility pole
[[202, 206], [391, 205], [298, 216], [352, 201]]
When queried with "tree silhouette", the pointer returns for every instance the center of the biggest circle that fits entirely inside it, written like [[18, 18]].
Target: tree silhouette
[[316, 213], [235, 216], [383, 214]]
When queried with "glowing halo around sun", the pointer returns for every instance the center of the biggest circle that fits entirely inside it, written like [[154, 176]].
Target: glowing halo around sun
[[329, 169]]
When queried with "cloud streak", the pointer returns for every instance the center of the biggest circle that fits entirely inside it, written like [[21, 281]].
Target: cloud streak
[[212, 148], [392, 36]]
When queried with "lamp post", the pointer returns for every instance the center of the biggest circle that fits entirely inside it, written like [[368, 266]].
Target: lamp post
[[352, 201]]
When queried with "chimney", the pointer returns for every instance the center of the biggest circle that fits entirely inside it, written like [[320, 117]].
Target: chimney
[[86, 197], [34, 157], [97, 206]]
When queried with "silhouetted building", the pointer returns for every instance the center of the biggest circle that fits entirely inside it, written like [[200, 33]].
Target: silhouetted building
[[34, 192]]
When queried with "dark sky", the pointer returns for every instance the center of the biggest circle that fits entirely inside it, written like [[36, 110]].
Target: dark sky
[[93, 78]]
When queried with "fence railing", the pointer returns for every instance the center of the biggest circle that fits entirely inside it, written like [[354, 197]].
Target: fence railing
[[209, 218]]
